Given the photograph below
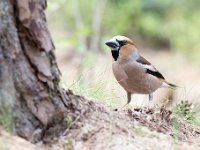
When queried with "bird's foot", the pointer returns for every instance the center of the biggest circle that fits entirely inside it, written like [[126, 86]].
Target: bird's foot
[[116, 109], [125, 107]]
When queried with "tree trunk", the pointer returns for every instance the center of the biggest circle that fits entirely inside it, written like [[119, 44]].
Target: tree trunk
[[29, 76]]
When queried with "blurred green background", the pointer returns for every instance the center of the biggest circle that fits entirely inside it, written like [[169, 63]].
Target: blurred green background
[[85, 24], [168, 29]]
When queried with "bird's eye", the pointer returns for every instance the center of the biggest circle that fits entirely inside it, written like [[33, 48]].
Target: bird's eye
[[122, 43]]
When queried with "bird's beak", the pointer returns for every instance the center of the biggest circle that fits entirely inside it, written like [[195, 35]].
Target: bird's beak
[[113, 44]]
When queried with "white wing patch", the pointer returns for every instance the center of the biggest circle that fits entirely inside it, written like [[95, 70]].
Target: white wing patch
[[150, 67]]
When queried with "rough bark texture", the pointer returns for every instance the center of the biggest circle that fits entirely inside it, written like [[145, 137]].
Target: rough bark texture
[[29, 74]]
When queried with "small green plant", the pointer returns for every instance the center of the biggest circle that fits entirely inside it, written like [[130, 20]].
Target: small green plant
[[68, 145], [6, 119], [68, 121], [184, 113], [187, 111]]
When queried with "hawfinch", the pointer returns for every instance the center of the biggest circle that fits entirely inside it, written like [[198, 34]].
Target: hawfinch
[[132, 71]]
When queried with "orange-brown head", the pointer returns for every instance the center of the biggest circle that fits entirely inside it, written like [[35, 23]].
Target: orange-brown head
[[121, 47]]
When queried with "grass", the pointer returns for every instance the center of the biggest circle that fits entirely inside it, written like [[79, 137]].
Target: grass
[[92, 87], [93, 90]]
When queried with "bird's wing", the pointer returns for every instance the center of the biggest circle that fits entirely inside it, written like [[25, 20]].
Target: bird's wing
[[150, 69]]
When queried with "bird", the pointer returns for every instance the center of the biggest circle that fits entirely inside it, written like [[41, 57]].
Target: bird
[[132, 71]]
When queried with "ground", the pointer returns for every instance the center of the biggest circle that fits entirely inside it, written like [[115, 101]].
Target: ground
[[100, 127]]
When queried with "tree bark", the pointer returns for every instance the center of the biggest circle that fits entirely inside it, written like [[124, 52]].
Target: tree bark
[[29, 76]]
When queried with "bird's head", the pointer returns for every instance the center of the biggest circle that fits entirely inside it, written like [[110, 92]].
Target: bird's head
[[121, 46]]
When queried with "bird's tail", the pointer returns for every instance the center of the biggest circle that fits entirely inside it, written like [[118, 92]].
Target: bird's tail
[[169, 85]]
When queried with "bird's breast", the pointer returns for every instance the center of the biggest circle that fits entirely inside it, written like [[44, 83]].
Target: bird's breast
[[133, 78]]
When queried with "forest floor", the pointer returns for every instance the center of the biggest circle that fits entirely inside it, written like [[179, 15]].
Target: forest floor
[[98, 127], [101, 128]]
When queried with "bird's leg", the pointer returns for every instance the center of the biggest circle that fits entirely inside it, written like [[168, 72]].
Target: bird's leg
[[129, 100], [128, 97], [150, 97]]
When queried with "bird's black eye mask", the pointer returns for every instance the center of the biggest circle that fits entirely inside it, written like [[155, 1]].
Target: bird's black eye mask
[[115, 53], [122, 43]]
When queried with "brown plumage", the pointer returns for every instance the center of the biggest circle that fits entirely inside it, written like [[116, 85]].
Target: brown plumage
[[132, 71]]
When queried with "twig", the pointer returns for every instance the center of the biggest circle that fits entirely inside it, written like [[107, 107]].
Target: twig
[[65, 132]]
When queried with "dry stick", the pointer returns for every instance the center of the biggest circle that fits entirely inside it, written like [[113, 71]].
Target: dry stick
[[65, 132]]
